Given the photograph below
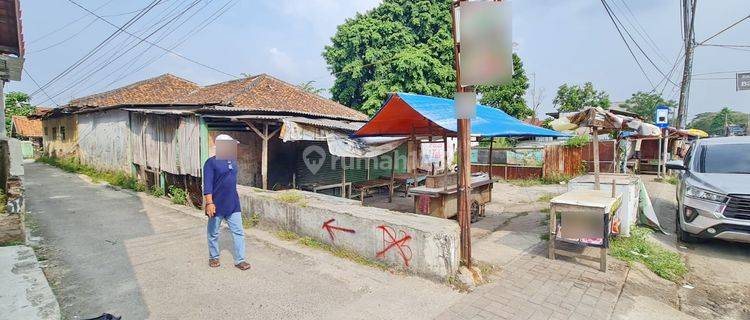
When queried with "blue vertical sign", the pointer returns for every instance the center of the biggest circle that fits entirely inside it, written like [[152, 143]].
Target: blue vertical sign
[[661, 118]]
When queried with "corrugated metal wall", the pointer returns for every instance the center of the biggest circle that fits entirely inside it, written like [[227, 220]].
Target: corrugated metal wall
[[166, 143], [356, 169], [103, 140]]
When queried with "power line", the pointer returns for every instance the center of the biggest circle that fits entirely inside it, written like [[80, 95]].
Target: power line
[[87, 76], [205, 23], [26, 71], [639, 27], [725, 29], [636, 42], [719, 72], [609, 13], [96, 48], [152, 43], [61, 28]]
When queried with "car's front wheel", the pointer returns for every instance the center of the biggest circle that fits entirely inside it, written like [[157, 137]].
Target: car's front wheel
[[683, 235]]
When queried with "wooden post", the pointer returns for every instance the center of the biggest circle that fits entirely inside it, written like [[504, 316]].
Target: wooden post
[[343, 178], [393, 169], [264, 158], [492, 141], [464, 145], [595, 141], [445, 161], [414, 158], [552, 231], [264, 136]]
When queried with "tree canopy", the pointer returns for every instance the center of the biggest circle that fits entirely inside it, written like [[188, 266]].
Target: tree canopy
[[644, 104], [509, 97], [17, 104], [713, 122], [577, 97], [405, 45]]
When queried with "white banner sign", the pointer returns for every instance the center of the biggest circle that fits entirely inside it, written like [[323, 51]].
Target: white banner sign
[[486, 55]]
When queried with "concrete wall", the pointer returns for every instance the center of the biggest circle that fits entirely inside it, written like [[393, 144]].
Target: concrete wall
[[421, 245], [55, 145]]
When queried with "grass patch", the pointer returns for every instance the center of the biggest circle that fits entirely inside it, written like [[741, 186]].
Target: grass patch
[[554, 178], [178, 195], [292, 197], [12, 243], [156, 191], [336, 251], [525, 182], [638, 248], [286, 235], [119, 179], [546, 197], [672, 180]]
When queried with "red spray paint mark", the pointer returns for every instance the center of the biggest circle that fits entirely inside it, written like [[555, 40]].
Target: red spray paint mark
[[390, 241], [328, 227]]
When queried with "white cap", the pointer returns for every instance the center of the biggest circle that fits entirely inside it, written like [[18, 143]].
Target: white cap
[[225, 137]]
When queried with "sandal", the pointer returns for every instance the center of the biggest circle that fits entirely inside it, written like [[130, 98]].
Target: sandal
[[242, 265], [213, 263]]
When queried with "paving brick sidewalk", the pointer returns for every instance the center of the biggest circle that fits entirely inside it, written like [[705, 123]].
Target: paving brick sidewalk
[[534, 287]]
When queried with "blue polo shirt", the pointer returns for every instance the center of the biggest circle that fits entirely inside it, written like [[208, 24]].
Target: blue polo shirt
[[220, 180]]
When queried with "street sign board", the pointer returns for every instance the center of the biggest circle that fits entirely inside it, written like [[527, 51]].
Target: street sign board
[[465, 104], [743, 81], [661, 118], [486, 51]]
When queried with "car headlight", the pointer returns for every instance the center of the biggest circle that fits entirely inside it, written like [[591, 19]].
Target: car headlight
[[698, 193]]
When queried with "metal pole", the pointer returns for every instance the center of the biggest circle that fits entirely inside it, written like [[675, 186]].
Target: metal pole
[[464, 145], [658, 164], [595, 146]]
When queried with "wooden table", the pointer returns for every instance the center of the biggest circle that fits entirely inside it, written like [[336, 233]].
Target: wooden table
[[599, 205], [406, 180], [364, 186], [315, 187]]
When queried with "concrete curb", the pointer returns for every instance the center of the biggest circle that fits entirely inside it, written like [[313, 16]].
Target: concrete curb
[[26, 294]]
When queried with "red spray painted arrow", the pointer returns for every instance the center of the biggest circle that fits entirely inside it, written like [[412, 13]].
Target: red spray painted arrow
[[330, 228]]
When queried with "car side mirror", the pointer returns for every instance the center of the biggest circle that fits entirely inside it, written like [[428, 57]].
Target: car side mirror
[[676, 165]]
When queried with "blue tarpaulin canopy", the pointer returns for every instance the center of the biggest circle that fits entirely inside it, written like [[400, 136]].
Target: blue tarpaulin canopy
[[404, 114]]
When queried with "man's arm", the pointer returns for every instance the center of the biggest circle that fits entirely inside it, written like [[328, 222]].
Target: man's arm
[[208, 189]]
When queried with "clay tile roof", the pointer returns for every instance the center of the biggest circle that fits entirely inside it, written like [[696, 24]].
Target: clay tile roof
[[163, 89], [267, 94], [26, 127]]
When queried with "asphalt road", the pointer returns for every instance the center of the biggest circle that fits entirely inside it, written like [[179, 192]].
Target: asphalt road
[[110, 251]]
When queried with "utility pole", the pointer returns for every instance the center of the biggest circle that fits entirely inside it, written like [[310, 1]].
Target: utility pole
[[464, 154], [688, 16]]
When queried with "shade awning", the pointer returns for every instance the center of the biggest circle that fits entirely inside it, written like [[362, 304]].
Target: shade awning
[[405, 113]]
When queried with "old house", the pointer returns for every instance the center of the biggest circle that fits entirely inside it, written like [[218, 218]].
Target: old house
[[162, 130]]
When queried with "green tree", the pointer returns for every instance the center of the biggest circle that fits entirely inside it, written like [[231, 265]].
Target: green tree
[[406, 45], [509, 97], [644, 104], [309, 86], [17, 104], [576, 97], [401, 45], [713, 122]]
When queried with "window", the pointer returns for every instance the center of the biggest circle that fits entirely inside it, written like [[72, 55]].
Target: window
[[725, 158], [54, 133], [62, 133]]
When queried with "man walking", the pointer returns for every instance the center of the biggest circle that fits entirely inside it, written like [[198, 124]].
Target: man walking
[[222, 201]]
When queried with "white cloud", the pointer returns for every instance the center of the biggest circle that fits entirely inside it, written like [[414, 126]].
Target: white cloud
[[324, 15], [283, 62]]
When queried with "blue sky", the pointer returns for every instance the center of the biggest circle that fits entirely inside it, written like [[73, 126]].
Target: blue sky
[[569, 41]]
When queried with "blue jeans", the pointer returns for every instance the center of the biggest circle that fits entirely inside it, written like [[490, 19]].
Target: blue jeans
[[234, 221]]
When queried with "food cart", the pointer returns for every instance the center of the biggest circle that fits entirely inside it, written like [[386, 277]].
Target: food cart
[[439, 196]]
